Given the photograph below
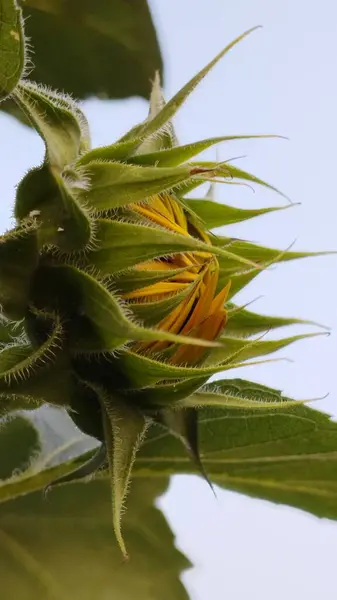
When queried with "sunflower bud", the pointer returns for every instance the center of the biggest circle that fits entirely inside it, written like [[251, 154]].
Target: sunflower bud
[[122, 294]]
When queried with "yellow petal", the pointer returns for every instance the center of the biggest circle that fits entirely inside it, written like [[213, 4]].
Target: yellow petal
[[209, 329]]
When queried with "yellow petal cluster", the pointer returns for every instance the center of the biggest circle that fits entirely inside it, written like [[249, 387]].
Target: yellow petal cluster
[[201, 313]]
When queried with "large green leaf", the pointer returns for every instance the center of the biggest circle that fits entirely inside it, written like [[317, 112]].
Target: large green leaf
[[285, 455], [93, 47], [19, 441], [11, 47], [63, 546]]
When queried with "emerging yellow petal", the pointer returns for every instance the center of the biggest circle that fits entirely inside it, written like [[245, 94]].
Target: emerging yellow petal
[[201, 313]]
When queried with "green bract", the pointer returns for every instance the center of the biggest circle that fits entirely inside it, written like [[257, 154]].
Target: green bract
[[115, 295]]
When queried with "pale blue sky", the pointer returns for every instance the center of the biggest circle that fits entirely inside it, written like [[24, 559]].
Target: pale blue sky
[[282, 80]]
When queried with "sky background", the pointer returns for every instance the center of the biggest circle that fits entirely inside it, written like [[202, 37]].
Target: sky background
[[282, 79]]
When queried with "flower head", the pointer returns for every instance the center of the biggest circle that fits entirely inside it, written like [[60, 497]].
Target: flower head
[[121, 296]]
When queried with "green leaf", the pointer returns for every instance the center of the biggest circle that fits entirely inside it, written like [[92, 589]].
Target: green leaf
[[63, 546], [244, 323], [58, 120], [96, 36], [125, 428], [287, 456], [19, 442], [214, 214], [12, 52]]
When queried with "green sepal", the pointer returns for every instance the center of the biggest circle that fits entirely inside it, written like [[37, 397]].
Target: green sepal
[[261, 255], [139, 371], [165, 137], [18, 260], [75, 293], [58, 120], [166, 394], [244, 323], [62, 221], [229, 175], [12, 47], [238, 394], [150, 127], [125, 428], [122, 245], [116, 184], [173, 157], [213, 214], [234, 349], [119, 151], [143, 371]]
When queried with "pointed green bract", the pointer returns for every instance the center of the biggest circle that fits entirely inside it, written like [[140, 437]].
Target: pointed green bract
[[239, 349], [51, 199], [173, 157], [114, 184], [122, 245], [230, 174], [12, 50], [55, 120], [214, 214], [124, 430], [169, 110], [244, 323], [239, 394]]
